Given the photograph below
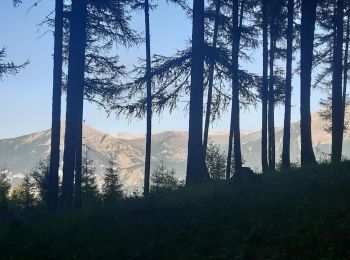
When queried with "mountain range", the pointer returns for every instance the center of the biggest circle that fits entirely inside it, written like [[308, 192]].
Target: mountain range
[[19, 155]]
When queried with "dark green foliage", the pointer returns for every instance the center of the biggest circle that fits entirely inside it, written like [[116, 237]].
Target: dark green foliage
[[4, 190], [23, 195], [9, 68], [216, 162], [40, 175], [163, 179], [112, 189], [89, 188], [300, 214]]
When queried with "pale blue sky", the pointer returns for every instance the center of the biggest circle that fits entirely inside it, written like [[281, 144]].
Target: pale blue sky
[[25, 100]]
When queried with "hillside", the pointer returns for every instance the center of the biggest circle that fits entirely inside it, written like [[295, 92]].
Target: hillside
[[301, 214], [20, 154]]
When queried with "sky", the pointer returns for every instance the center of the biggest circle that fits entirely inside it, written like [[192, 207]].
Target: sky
[[25, 99]]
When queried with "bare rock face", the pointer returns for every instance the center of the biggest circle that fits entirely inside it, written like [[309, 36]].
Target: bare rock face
[[20, 154]]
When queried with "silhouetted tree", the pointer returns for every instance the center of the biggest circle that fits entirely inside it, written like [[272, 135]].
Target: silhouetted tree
[[308, 19], [264, 91], [276, 22], [196, 168], [149, 102], [337, 99], [148, 76], [89, 188], [112, 189], [288, 91], [346, 65], [235, 123], [211, 77], [107, 24], [329, 55], [52, 201], [75, 94], [171, 75]]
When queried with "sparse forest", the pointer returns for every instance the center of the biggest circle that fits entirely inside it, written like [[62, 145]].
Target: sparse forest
[[223, 208]]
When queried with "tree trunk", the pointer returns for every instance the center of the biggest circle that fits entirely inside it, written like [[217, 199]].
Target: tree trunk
[[234, 126], [149, 103], [75, 89], [78, 155], [264, 92], [52, 202], [287, 111], [337, 101], [346, 68], [211, 78], [308, 18], [196, 167], [271, 112]]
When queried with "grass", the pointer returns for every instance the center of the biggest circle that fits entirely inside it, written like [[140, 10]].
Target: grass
[[296, 214]]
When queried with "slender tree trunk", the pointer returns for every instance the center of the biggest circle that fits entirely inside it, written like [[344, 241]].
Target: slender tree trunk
[[149, 103], [337, 101], [308, 18], [271, 112], [78, 155], [211, 78], [234, 126], [75, 88], [196, 167], [287, 112], [52, 201], [264, 92], [346, 68]]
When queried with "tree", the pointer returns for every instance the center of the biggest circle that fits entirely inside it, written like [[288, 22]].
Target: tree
[[163, 179], [23, 195], [112, 187], [337, 98], [264, 92], [196, 168], [308, 19], [211, 77], [40, 175], [148, 76], [288, 92], [102, 25], [171, 75], [346, 65], [149, 102], [276, 22], [235, 124], [216, 162], [89, 188], [4, 190], [9, 68], [52, 201], [75, 94]]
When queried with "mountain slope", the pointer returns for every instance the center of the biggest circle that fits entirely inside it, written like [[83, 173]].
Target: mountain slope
[[21, 154]]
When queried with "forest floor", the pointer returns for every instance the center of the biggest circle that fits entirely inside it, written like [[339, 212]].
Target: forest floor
[[296, 214]]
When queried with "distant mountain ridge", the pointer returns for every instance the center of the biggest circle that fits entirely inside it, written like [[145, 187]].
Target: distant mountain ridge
[[21, 154]]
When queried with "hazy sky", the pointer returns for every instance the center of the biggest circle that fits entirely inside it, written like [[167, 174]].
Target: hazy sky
[[25, 100]]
